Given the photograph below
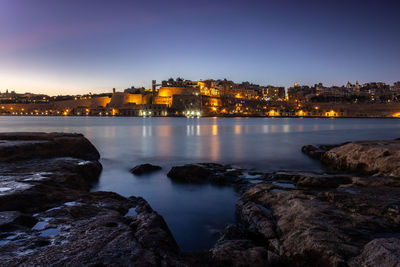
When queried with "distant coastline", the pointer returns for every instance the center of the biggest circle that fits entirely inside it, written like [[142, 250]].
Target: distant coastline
[[221, 98]]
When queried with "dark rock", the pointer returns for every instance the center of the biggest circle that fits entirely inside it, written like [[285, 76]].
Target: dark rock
[[144, 168], [104, 236], [315, 180], [366, 157], [379, 252], [239, 253], [39, 184], [206, 173], [313, 151], [381, 201], [232, 232], [13, 220], [20, 146], [235, 248], [317, 152], [39, 171], [326, 225], [48, 217]]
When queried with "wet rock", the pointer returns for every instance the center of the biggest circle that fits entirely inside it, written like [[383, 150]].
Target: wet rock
[[381, 201], [206, 173], [13, 220], [94, 230], [38, 170], [144, 168], [239, 253], [366, 157], [313, 151], [324, 223], [235, 248], [48, 217], [20, 146], [42, 183], [376, 181], [316, 152], [316, 180], [232, 232], [379, 252]]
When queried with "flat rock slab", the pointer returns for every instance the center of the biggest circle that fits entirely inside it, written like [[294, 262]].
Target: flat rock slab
[[39, 170], [381, 157], [21, 146]]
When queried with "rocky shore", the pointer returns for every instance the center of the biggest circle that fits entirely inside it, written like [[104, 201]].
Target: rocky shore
[[49, 217], [313, 219]]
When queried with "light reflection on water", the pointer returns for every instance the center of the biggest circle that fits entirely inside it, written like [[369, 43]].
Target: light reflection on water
[[195, 212]]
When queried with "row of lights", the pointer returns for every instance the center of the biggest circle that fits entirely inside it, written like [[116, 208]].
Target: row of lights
[[192, 113]]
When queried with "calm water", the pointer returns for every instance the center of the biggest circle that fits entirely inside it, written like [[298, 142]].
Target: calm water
[[195, 213]]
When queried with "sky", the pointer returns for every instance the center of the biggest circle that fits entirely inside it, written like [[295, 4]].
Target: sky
[[80, 46]]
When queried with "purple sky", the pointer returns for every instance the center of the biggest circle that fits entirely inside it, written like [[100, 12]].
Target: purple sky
[[77, 46]]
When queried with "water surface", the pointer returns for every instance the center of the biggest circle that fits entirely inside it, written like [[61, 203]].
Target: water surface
[[195, 213]]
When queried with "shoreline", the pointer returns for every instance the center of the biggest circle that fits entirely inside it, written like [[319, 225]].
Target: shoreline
[[275, 212], [247, 116]]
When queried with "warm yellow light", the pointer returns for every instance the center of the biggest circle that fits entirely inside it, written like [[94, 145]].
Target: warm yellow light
[[273, 113], [397, 115], [301, 113], [331, 113], [316, 108]]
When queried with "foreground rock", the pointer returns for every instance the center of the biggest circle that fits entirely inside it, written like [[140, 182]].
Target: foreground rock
[[99, 229], [379, 252], [48, 217], [363, 157], [144, 168], [337, 221], [20, 146], [39, 170], [312, 219]]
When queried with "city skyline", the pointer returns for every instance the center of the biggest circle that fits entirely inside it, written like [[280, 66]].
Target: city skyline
[[148, 86], [70, 47]]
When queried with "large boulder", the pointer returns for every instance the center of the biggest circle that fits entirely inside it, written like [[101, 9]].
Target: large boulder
[[366, 157], [20, 146], [39, 170], [98, 229], [320, 220]]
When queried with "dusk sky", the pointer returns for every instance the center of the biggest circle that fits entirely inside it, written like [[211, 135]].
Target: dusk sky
[[77, 46]]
